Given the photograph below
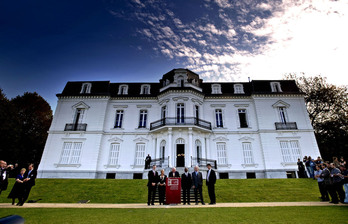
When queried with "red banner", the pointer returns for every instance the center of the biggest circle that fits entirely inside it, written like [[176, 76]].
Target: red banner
[[173, 190]]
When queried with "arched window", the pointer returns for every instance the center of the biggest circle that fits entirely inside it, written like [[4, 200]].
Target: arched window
[[145, 89], [162, 149], [86, 88], [180, 141], [123, 90], [275, 86], [216, 89], [198, 146], [238, 89]]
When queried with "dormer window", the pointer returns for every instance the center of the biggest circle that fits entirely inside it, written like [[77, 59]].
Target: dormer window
[[275, 86], [86, 88], [123, 90], [216, 89], [238, 89], [180, 81], [145, 89]]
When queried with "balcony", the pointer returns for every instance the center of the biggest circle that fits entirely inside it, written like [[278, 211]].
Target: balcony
[[75, 127], [180, 121], [286, 126], [202, 162]]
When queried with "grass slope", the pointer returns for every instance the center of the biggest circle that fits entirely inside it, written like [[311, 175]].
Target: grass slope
[[135, 191], [175, 215]]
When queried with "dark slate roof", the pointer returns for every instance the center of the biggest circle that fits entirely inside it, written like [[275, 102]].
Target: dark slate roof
[[105, 88]]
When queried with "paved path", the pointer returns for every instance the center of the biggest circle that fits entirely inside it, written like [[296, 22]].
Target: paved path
[[218, 205]]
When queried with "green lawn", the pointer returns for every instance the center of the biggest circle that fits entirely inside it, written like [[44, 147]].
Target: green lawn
[[135, 191], [316, 215]]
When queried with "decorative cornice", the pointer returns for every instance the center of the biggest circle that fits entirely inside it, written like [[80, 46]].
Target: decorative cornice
[[120, 106], [241, 105], [281, 103], [217, 105], [144, 106], [83, 97], [246, 138], [184, 98], [197, 101]]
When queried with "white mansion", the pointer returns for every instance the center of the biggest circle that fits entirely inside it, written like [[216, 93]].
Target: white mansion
[[255, 129]]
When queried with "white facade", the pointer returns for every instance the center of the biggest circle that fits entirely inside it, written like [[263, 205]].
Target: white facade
[[259, 128]]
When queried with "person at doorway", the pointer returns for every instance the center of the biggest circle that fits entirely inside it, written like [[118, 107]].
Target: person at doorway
[[147, 161]]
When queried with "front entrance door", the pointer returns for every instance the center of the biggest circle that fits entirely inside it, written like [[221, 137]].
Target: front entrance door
[[180, 155]]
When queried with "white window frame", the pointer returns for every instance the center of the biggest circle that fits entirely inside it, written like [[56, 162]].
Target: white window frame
[[219, 123], [276, 87], [71, 153], [221, 152], [238, 88], [247, 153], [140, 154], [119, 118], [239, 111], [290, 151], [80, 111], [180, 107], [283, 115], [216, 89], [198, 148], [86, 88], [162, 149], [114, 154], [142, 118], [145, 89], [123, 89]]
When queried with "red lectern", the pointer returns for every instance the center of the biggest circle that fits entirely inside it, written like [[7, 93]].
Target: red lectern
[[173, 190]]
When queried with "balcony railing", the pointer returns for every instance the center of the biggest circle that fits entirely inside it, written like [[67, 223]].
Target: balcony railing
[[75, 127], [160, 162], [286, 126], [180, 121], [202, 162]]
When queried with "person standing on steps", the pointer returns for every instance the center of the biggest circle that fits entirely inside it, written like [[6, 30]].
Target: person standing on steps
[[186, 184]]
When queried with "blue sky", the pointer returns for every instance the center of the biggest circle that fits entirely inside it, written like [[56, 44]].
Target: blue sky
[[45, 43]]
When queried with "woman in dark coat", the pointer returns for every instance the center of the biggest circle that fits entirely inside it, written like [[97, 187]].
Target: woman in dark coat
[[162, 187], [18, 189]]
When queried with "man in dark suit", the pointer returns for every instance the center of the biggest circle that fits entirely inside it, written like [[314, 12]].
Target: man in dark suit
[[29, 181], [210, 181], [4, 174], [174, 173], [186, 184], [152, 184], [197, 182], [147, 161]]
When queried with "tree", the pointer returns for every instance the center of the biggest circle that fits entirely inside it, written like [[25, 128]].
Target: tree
[[25, 121], [327, 106]]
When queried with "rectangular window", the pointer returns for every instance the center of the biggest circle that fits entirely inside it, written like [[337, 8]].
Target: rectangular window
[[71, 153], [119, 118], [163, 113], [197, 112], [221, 153], [79, 114], [247, 153], [242, 118], [142, 119], [218, 115], [114, 154], [140, 154], [238, 89], [180, 113], [290, 151], [282, 114]]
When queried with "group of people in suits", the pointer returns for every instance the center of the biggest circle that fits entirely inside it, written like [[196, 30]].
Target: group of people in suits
[[25, 180], [188, 180]]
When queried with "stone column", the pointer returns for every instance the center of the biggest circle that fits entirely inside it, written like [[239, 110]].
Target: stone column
[[188, 160], [169, 151]]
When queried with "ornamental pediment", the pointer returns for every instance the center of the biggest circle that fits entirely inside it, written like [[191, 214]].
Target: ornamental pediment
[[246, 138], [80, 105], [221, 139], [115, 139], [281, 103], [141, 139]]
